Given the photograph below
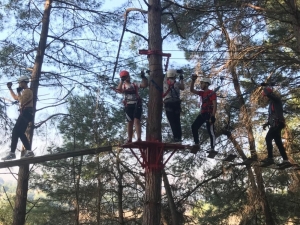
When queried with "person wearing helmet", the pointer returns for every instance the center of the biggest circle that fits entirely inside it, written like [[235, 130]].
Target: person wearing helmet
[[132, 102], [276, 122], [172, 102], [207, 113], [24, 96]]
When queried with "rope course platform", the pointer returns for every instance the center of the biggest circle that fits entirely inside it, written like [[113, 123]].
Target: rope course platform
[[152, 152], [51, 157]]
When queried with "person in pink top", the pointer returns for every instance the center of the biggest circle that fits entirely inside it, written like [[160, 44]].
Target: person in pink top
[[132, 102]]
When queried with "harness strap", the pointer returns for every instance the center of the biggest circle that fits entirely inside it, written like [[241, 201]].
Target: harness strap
[[136, 93]]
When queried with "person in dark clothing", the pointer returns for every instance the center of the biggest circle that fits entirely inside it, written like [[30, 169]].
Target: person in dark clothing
[[24, 97], [207, 114], [172, 103], [276, 122]]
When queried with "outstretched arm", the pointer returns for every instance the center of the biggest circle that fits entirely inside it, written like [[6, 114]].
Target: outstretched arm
[[12, 93], [194, 77]]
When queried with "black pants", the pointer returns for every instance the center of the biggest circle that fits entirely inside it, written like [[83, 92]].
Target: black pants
[[274, 133], [174, 120], [200, 120], [19, 130], [173, 110]]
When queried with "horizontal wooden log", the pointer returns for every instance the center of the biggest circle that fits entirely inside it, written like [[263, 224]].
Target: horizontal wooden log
[[51, 157]]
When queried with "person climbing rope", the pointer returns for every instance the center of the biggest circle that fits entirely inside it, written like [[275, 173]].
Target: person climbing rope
[[24, 96], [172, 102], [132, 102], [276, 122], [207, 113]]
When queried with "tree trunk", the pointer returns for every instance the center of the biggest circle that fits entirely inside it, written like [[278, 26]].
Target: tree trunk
[[22, 186], [152, 207], [77, 178], [120, 190], [171, 202]]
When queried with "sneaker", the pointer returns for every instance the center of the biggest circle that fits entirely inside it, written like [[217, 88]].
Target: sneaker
[[28, 154], [284, 163], [10, 156], [195, 148], [139, 140], [128, 141], [176, 141], [212, 153], [268, 161]]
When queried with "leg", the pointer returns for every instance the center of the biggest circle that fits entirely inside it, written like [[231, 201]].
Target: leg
[[137, 124], [211, 131], [278, 142], [171, 118], [130, 130], [129, 112], [18, 131], [269, 139], [195, 127], [177, 127], [137, 121]]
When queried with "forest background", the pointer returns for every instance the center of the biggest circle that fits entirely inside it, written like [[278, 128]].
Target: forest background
[[73, 65]]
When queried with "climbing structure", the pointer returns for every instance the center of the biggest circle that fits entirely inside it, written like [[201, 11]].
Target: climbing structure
[[153, 160]]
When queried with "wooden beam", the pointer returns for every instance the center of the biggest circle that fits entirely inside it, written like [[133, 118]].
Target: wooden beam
[[45, 158]]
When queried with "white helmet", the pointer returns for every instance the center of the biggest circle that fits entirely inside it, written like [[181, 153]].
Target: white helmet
[[171, 73], [206, 80], [23, 78]]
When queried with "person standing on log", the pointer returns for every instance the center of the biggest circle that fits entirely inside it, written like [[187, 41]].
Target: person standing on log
[[24, 96]]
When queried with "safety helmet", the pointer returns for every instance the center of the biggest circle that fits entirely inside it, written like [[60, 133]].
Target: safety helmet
[[205, 80], [171, 73], [124, 73], [268, 90], [23, 78]]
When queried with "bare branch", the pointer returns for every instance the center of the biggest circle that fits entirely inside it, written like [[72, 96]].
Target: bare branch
[[146, 3], [8, 198], [164, 37], [187, 194], [51, 106], [34, 204], [146, 39], [44, 121], [176, 25]]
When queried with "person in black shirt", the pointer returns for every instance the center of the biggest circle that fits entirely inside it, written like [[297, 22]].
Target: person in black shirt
[[277, 123]]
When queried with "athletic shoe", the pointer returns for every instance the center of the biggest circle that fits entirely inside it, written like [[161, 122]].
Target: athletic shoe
[[285, 163], [10, 156], [195, 148], [267, 161], [176, 141], [28, 154]]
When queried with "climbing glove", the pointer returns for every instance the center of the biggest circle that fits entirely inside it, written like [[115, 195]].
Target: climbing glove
[[194, 77], [9, 84], [265, 125]]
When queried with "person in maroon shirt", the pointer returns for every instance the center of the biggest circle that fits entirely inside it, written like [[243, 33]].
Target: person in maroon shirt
[[207, 113]]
